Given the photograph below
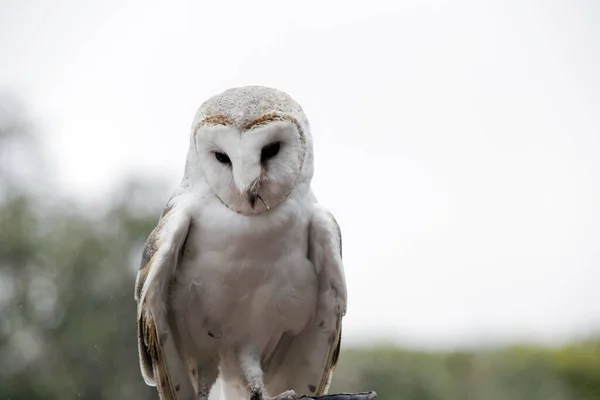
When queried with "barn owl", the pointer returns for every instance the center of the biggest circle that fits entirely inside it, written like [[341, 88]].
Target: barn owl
[[241, 286]]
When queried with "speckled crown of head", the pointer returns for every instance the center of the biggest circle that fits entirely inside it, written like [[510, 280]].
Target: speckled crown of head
[[248, 106]]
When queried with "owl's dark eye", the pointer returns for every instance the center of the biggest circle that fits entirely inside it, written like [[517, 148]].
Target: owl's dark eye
[[222, 158], [269, 151]]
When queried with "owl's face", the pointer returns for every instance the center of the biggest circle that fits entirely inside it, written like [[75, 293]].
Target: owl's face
[[253, 170]]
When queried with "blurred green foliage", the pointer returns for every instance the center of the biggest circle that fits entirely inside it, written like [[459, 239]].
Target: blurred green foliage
[[67, 318], [516, 373]]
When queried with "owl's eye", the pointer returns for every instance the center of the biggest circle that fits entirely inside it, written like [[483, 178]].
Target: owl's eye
[[269, 151], [222, 158]]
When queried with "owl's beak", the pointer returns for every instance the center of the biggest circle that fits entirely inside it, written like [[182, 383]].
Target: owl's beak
[[252, 192], [251, 195]]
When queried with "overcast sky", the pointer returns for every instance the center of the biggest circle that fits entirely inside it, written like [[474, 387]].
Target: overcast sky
[[457, 142]]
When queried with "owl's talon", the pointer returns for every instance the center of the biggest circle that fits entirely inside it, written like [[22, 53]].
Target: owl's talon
[[287, 395], [258, 394], [255, 395]]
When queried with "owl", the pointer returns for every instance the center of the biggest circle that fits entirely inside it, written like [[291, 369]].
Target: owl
[[241, 288]]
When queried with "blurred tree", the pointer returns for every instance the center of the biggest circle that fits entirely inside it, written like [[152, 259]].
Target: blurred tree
[[67, 327], [68, 315]]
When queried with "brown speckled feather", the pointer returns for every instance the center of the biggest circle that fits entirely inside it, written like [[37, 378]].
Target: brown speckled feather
[[159, 261], [154, 352]]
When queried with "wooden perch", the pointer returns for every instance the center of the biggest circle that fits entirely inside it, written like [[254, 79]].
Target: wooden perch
[[343, 396]]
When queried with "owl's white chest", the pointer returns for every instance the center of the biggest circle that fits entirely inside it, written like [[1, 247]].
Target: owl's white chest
[[244, 282]]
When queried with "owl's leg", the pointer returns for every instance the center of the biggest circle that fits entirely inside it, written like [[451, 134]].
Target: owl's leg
[[253, 379], [205, 375]]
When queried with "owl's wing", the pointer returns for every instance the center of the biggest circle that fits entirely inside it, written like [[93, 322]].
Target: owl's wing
[[159, 360], [325, 252], [305, 362]]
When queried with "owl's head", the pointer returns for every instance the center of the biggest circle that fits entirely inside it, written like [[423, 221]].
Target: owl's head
[[252, 146]]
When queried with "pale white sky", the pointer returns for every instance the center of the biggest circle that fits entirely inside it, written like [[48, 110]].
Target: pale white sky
[[457, 142]]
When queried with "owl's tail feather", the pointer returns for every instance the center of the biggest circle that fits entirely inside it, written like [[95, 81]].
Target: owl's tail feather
[[223, 390]]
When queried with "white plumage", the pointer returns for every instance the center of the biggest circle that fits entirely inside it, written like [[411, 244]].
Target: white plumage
[[241, 283]]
